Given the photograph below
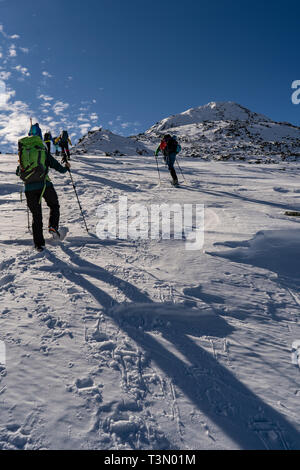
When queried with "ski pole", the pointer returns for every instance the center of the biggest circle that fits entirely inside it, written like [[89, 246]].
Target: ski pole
[[158, 170], [27, 209], [28, 220], [180, 170], [74, 187]]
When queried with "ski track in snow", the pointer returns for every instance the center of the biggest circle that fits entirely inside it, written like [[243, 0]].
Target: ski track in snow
[[141, 344]]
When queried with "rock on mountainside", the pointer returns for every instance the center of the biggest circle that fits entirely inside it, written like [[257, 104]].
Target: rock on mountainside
[[218, 131]]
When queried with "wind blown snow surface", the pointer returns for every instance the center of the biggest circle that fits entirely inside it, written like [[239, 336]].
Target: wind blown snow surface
[[141, 344]]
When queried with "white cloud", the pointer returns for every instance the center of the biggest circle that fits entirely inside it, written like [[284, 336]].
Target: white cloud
[[84, 128], [46, 74], [94, 117], [22, 70], [126, 125], [14, 121], [25, 50], [2, 92], [60, 107], [5, 75], [52, 123], [2, 31], [14, 36], [12, 51], [6, 95], [45, 98]]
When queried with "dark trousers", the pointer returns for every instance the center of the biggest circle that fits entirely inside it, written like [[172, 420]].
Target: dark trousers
[[35, 207], [170, 161], [173, 174], [65, 152], [48, 146]]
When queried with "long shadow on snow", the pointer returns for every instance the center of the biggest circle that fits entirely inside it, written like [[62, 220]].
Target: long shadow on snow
[[248, 199], [107, 182], [27, 242], [212, 388]]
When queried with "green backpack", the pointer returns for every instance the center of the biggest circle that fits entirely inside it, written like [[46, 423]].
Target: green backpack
[[33, 158]]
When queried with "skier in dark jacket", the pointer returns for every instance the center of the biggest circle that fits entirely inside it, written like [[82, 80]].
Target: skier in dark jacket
[[63, 141], [35, 130], [34, 192], [48, 139], [169, 147], [56, 145]]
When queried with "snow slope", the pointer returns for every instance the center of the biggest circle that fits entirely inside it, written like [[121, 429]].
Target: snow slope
[[140, 344]]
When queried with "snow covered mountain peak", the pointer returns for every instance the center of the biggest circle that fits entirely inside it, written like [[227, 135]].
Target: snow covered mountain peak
[[214, 111], [215, 131]]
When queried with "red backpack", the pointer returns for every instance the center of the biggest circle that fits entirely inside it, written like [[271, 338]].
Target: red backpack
[[168, 146], [163, 145]]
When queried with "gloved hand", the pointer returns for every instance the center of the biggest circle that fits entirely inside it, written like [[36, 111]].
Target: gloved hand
[[67, 165]]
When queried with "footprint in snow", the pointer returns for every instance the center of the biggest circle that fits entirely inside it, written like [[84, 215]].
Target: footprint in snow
[[5, 280], [280, 190]]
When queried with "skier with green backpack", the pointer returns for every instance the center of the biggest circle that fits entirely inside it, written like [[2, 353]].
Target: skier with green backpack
[[34, 163]]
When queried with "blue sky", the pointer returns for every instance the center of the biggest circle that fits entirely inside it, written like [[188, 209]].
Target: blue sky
[[124, 65]]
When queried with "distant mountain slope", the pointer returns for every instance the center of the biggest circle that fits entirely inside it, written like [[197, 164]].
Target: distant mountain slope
[[223, 111], [219, 131], [103, 141]]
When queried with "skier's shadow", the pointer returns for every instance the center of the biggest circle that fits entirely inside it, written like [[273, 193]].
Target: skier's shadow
[[106, 182], [243, 416], [239, 197]]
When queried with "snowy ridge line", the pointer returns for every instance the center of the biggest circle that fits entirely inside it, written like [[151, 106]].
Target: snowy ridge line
[[221, 131]]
